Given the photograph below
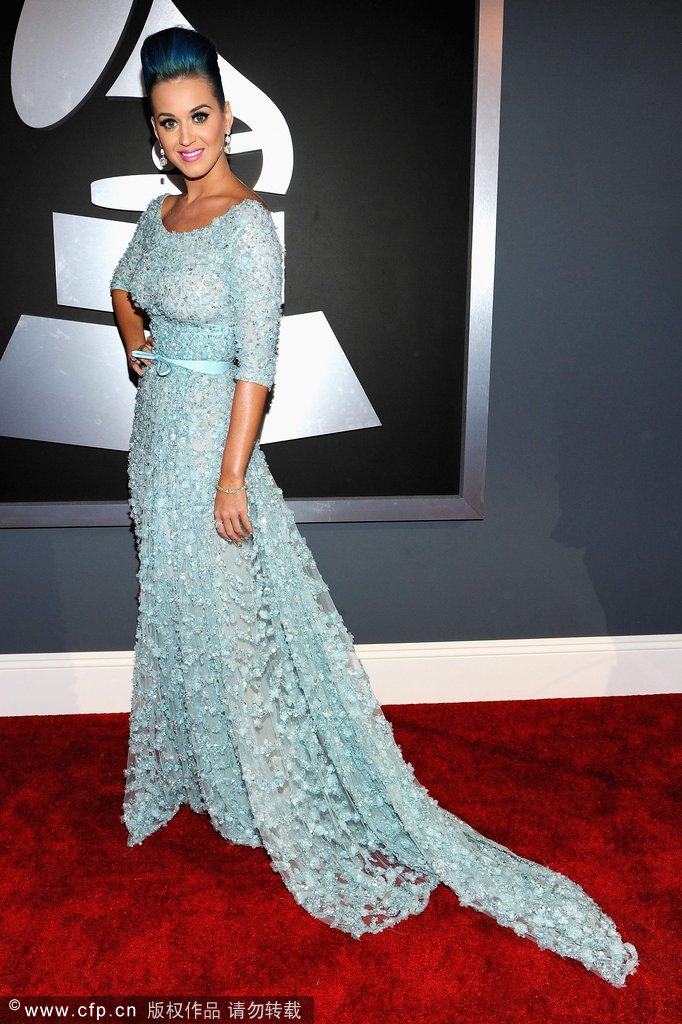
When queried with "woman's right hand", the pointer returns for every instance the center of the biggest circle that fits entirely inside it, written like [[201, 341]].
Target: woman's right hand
[[137, 362]]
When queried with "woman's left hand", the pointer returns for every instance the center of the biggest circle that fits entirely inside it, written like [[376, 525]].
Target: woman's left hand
[[231, 516]]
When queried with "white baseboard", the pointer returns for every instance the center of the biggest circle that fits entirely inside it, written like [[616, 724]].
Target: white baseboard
[[418, 673], [524, 669]]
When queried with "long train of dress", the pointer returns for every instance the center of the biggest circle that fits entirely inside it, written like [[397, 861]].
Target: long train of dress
[[250, 704]]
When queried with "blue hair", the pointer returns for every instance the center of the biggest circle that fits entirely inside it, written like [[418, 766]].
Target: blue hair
[[180, 53]]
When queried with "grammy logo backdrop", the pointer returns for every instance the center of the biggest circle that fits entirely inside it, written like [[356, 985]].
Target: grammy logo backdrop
[[359, 127]]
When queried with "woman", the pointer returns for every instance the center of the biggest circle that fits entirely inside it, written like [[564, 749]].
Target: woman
[[249, 702]]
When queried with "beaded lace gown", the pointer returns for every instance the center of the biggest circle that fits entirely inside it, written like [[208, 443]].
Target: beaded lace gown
[[249, 702]]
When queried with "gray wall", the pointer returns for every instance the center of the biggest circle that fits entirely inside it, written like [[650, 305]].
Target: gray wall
[[582, 530]]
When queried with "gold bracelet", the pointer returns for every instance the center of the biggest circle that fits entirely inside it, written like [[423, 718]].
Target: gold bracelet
[[230, 490]]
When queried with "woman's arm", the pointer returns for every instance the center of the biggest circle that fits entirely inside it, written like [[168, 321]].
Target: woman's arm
[[129, 318], [246, 417], [130, 321], [256, 271]]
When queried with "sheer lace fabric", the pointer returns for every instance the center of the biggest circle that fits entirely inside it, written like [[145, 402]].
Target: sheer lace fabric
[[249, 701]]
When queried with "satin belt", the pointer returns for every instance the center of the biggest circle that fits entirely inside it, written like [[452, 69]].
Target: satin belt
[[163, 365]]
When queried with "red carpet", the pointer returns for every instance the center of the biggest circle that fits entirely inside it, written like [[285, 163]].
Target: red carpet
[[585, 786]]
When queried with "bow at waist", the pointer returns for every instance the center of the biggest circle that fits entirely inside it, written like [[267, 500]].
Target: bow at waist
[[163, 365]]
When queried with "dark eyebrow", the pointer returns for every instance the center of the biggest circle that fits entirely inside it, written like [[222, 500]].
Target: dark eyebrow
[[164, 113]]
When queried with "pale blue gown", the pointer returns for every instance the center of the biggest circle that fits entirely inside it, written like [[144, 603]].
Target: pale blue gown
[[249, 702]]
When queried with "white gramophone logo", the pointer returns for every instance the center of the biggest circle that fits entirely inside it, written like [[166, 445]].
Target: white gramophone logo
[[67, 382]]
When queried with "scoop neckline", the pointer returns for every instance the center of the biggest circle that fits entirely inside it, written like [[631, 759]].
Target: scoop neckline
[[203, 227]]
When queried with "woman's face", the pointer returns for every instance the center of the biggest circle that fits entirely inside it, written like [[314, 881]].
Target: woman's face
[[190, 124]]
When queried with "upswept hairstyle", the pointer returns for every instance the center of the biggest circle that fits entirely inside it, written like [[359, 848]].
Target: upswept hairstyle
[[180, 53]]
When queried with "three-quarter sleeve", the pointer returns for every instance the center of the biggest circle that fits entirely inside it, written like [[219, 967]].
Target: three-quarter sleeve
[[126, 265], [257, 272]]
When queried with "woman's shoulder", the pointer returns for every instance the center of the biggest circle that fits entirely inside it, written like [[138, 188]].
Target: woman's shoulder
[[248, 202], [248, 221], [152, 209], [253, 230], [253, 208]]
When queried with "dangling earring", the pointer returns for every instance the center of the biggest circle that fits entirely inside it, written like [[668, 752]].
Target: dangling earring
[[163, 159], [226, 147]]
